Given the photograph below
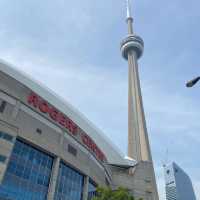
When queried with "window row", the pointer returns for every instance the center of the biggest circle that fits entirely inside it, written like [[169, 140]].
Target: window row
[[69, 184], [28, 177], [6, 136], [2, 106], [2, 158], [31, 155]]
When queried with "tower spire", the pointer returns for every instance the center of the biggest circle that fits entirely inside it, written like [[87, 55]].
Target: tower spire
[[129, 18], [128, 4]]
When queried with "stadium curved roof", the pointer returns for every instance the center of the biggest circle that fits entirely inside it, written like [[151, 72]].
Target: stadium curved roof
[[114, 156]]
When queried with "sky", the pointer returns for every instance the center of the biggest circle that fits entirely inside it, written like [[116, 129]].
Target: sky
[[73, 47]]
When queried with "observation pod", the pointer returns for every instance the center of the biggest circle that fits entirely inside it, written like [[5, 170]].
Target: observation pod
[[132, 43]]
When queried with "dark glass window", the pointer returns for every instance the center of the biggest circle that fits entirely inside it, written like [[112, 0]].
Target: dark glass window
[[6, 136], [91, 189], [2, 106], [69, 184], [72, 150], [28, 174], [2, 158]]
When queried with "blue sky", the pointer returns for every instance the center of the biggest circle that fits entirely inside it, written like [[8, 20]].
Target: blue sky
[[73, 48]]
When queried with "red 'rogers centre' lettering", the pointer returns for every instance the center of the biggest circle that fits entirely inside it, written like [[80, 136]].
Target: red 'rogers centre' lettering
[[91, 145], [44, 107], [54, 114]]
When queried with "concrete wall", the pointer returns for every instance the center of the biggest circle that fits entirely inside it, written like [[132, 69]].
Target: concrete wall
[[136, 179]]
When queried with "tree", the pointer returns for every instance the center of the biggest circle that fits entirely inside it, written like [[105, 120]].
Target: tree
[[106, 193]]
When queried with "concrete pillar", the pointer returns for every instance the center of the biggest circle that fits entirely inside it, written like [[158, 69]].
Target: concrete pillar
[[54, 176], [85, 188]]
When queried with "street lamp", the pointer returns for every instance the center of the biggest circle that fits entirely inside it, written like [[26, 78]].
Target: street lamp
[[192, 82]]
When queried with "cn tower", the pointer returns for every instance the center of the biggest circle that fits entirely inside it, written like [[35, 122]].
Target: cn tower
[[138, 143]]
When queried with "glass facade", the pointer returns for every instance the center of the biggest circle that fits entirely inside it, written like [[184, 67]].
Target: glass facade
[[28, 174], [178, 184], [91, 190], [69, 184], [2, 158], [6, 136]]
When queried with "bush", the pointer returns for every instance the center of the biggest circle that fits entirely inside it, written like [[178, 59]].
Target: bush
[[106, 193]]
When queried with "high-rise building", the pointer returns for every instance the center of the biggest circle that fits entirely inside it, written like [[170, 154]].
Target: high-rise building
[[177, 183]]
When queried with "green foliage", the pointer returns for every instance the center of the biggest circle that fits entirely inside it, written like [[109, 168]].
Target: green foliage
[[106, 193]]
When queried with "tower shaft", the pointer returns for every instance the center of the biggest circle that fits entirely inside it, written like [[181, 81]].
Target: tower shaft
[[138, 142], [138, 145]]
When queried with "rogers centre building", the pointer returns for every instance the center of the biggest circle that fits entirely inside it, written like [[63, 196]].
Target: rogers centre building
[[48, 150]]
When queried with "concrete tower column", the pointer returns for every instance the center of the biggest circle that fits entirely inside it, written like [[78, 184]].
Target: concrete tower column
[[138, 143]]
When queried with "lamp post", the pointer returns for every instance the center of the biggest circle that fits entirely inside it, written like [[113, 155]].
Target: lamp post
[[192, 82]]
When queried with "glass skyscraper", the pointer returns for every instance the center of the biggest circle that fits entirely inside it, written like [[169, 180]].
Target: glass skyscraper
[[178, 184]]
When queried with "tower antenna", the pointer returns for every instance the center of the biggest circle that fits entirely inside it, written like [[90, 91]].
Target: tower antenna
[[129, 14], [129, 18]]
